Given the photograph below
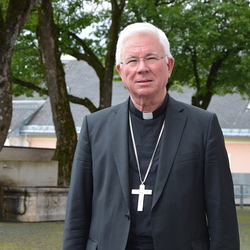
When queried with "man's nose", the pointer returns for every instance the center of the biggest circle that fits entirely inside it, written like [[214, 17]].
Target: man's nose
[[142, 65]]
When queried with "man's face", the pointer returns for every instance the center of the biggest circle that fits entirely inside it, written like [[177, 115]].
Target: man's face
[[143, 79]]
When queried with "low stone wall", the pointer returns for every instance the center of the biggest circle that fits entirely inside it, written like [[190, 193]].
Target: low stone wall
[[26, 167], [33, 204]]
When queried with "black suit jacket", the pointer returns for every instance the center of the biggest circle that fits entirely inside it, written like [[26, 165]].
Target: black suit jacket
[[193, 201]]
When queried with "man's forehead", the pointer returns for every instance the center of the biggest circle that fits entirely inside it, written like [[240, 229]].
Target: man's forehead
[[145, 55]]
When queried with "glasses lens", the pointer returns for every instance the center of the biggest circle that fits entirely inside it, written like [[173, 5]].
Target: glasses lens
[[148, 60]]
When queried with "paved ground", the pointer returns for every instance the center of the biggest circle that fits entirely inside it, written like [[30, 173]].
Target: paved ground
[[31, 236]]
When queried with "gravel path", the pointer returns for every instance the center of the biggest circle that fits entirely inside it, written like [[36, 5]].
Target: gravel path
[[31, 236]]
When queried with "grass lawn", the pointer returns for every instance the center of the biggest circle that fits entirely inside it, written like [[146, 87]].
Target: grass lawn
[[244, 227], [48, 236]]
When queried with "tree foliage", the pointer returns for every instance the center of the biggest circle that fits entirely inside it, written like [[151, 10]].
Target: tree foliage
[[209, 40], [211, 43], [100, 55]]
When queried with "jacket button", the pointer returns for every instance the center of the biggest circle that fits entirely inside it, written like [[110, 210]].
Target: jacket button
[[127, 216]]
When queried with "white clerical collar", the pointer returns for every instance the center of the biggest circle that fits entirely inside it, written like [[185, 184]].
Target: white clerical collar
[[147, 116]]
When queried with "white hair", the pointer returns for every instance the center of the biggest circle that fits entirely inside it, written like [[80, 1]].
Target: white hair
[[141, 28]]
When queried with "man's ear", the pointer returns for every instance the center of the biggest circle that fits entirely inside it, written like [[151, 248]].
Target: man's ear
[[170, 65], [118, 68]]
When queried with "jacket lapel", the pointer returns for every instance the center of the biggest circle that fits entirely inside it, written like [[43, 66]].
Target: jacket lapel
[[119, 140], [175, 123]]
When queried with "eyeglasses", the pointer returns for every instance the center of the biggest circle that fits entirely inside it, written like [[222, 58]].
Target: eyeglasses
[[149, 60]]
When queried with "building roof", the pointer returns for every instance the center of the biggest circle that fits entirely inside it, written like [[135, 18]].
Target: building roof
[[33, 115]]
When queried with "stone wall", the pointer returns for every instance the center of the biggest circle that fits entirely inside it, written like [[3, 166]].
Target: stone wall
[[33, 204], [28, 186], [22, 167]]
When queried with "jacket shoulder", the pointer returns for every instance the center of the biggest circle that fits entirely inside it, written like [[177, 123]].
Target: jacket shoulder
[[104, 114], [188, 109]]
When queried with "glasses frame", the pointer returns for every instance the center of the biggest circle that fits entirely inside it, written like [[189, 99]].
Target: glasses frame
[[144, 59]]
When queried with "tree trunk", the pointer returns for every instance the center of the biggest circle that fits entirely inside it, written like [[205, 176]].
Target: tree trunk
[[10, 28], [107, 82], [204, 94], [202, 100], [55, 78]]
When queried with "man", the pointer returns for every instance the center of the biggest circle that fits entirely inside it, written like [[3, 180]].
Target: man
[[151, 173]]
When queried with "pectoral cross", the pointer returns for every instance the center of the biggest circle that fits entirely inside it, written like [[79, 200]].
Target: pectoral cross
[[141, 192]]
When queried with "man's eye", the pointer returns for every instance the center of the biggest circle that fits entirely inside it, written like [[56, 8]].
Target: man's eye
[[151, 59], [132, 61]]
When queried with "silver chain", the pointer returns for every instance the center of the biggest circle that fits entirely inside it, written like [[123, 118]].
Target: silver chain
[[135, 150]]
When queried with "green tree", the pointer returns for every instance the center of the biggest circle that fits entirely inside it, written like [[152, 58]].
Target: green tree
[[102, 61], [99, 55], [71, 18], [211, 44]]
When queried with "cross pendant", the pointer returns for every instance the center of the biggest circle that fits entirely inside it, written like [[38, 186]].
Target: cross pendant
[[141, 192]]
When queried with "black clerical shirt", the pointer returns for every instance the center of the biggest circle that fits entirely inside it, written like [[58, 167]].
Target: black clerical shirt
[[146, 133]]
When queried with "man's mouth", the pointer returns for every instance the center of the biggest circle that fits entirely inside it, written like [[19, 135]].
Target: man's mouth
[[143, 81]]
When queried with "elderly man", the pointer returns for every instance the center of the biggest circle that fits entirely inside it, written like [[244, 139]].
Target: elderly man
[[151, 173]]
